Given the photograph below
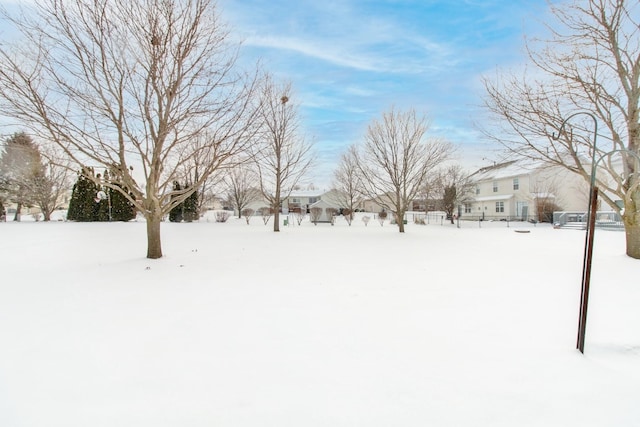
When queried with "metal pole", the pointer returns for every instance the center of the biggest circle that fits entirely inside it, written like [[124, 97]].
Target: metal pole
[[586, 274], [586, 266]]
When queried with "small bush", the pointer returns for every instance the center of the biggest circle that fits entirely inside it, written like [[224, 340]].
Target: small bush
[[382, 216], [247, 214], [266, 214], [222, 216]]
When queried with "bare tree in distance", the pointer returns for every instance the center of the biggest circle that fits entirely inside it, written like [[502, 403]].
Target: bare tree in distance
[[190, 172], [455, 188], [430, 191], [52, 183], [589, 65], [285, 156], [124, 84], [395, 160], [347, 181], [242, 187]]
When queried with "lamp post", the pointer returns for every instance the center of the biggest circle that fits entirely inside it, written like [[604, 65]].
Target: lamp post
[[588, 245]]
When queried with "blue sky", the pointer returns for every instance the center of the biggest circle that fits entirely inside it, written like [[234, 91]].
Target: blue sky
[[351, 60]]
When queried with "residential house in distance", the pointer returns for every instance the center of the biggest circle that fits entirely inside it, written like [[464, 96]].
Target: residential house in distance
[[517, 190], [302, 199]]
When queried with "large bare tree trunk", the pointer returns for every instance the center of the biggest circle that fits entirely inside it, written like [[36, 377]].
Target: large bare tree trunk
[[632, 231], [154, 244]]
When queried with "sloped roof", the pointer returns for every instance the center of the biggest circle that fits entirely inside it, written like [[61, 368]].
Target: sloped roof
[[508, 169], [323, 203]]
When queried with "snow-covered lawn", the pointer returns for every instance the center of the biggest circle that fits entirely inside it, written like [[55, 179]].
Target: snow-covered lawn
[[314, 326]]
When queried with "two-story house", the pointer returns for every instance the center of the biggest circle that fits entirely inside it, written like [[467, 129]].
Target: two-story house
[[522, 191]]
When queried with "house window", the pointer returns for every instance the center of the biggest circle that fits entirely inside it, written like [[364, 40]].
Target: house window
[[499, 206], [478, 189], [495, 186], [295, 200], [312, 200], [516, 184], [467, 208]]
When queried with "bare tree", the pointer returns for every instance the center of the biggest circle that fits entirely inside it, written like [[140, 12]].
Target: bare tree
[[348, 182], [285, 156], [395, 160], [588, 70], [242, 187], [125, 84], [455, 187], [52, 184]]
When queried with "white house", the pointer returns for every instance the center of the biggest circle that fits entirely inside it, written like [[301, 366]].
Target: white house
[[521, 191]]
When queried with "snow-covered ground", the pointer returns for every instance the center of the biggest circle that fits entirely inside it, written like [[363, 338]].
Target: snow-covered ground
[[314, 326]]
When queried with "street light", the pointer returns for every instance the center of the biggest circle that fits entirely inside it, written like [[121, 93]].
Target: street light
[[588, 245]]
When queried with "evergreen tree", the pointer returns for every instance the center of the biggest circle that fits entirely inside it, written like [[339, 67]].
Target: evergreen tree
[[20, 163], [83, 206], [121, 208], [175, 215], [190, 207]]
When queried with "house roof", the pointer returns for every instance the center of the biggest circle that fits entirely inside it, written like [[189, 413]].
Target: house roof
[[307, 193], [509, 169], [323, 202]]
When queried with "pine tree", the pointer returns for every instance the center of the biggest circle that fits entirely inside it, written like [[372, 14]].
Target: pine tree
[[20, 163], [121, 208], [83, 206], [190, 207], [175, 215]]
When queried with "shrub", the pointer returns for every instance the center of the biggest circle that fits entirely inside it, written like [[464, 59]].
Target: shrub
[[382, 216], [222, 216], [266, 214], [348, 215], [247, 214]]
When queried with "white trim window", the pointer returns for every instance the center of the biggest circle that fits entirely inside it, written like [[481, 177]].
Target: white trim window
[[516, 184], [495, 186], [499, 207]]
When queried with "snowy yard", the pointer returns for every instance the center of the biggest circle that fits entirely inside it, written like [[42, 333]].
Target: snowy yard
[[314, 326]]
